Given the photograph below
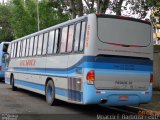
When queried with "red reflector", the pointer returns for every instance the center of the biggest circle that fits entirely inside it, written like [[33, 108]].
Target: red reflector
[[90, 75], [98, 92], [0, 68], [151, 78], [146, 93]]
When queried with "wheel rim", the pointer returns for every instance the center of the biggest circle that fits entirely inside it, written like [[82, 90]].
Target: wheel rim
[[50, 93]]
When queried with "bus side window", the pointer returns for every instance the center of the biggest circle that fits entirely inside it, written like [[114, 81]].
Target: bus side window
[[40, 42], [27, 47], [77, 37], [9, 49], [70, 38], [15, 49], [12, 50], [51, 42], [35, 45], [31, 46], [64, 39], [45, 44], [56, 45], [23, 48], [82, 39], [18, 48]]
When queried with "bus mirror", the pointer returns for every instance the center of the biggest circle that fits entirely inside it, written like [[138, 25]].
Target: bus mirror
[[5, 58]]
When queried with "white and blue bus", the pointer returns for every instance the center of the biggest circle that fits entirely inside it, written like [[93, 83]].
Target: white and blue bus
[[94, 59], [3, 51]]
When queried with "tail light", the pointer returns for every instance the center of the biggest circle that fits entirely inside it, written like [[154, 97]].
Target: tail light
[[90, 77], [0, 68], [151, 78]]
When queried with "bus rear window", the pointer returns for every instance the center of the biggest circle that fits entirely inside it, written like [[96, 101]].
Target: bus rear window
[[125, 32]]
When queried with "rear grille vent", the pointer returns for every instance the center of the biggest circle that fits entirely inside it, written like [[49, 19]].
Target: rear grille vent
[[74, 89]]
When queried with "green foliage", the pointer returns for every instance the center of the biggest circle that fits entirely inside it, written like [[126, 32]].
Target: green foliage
[[24, 16], [22, 20], [19, 18], [155, 4], [6, 33], [49, 15]]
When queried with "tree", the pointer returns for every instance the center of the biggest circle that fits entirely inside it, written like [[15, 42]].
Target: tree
[[22, 20], [49, 16], [81, 7], [6, 31], [24, 16], [102, 5], [155, 16], [73, 7], [155, 6]]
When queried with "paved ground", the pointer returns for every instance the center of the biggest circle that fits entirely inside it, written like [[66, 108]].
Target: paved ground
[[32, 105], [28, 105]]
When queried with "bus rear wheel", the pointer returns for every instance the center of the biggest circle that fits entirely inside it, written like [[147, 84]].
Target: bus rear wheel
[[50, 93]]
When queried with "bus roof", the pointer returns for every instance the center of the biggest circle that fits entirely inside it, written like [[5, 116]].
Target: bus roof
[[123, 17]]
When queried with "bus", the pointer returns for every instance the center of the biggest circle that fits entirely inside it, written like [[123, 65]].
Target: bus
[[3, 51], [94, 59]]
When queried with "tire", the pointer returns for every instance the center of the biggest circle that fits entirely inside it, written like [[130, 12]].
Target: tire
[[50, 93], [12, 84]]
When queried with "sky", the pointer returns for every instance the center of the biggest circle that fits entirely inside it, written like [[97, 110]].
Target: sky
[[3, 0]]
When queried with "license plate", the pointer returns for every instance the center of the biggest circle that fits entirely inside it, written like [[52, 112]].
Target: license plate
[[123, 97]]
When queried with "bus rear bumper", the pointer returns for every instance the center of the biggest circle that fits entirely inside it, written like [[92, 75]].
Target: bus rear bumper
[[115, 97]]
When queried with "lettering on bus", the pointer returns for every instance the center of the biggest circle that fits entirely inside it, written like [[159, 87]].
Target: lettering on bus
[[31, 62], [87, 36]]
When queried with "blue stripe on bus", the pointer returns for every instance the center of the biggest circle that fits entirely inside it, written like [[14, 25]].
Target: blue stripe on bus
[[59, 91], [119, 59], [110, 63], [30, 84], [66, 71], [134, 67]]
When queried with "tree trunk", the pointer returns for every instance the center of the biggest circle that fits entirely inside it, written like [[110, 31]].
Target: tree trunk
[[98, 6], [80, 7], [92, 7], [102, 5], [118, 9], [73, 9]]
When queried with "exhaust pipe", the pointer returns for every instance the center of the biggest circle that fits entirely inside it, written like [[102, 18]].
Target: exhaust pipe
[[103, 101]]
